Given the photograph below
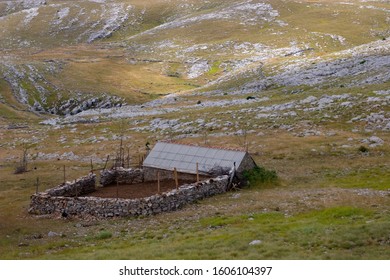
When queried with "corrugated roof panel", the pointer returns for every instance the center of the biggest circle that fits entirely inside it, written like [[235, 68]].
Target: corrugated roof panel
[[156, 154], [191, 168], [174, 164], [161, 155], [165, 163], [179, 157], [229, 155], [203, 168], [227, 163], [173, 149], [184, 157], [211, 153], [192, 159], [202, 152], [190, 151], [182, 149], [171, 156], [158, 147], [188, 167], [220, 154]]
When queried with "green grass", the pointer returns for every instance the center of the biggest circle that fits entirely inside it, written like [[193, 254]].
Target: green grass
[[102, 235], [377, 178], [333, 233], [215, 68]]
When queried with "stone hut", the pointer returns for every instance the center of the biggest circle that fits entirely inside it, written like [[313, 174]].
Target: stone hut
[[191, 159]]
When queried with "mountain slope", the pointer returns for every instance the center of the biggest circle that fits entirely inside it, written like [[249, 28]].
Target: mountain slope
[[64, 57]]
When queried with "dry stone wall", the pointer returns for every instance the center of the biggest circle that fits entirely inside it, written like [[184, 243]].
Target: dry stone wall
[[81, 186], [121, 176], [44, 203]]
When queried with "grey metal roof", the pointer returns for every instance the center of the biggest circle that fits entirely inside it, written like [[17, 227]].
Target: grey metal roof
[[184, 157]]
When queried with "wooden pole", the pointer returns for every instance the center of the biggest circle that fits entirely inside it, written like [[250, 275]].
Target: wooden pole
[[121, 153], [91, 165], [158, 182], [105, 165], [64, 174], [117, 189], [37, 186], [197, 172], [176, 177], [128, 157]]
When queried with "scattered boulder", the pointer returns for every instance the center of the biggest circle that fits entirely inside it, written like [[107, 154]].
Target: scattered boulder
[[373, 141], [53, 234], [255, 242]]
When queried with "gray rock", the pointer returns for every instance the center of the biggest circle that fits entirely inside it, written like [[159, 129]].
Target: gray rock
[[52, 234], [236, 195], [255, 242], [309, 99], [373, 141]]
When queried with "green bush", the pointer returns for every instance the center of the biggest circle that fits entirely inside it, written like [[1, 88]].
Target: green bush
[[104, 235], [363, 149], [260, 175]]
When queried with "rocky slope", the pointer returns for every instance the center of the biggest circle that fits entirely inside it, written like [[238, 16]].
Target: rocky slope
[[65, 57]]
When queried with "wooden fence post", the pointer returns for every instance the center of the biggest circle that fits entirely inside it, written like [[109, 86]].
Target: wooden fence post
[[37, 186], [117, 188], [64, 175], [105, 165], [176, 177], [128, 157], [197, 172], [158, 182]]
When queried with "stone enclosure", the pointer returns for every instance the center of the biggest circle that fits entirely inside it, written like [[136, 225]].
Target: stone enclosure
[[70, 199]]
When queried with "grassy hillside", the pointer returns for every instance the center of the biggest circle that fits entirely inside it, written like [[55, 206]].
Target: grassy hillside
[[303, 84], [64, 50]]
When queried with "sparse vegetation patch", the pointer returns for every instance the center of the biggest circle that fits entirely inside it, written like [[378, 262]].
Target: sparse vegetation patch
[[260, 175]]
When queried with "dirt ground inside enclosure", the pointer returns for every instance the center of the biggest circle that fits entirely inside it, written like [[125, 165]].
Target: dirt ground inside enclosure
[[136, 190]]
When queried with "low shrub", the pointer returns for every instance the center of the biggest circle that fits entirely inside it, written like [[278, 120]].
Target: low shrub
[[363, 149], [104, 235], [260, 175]]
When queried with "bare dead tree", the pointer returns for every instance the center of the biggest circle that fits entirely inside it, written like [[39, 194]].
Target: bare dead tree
[[205, 134], [120, 154], [22, 166], [242, 138], [128, 157]]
